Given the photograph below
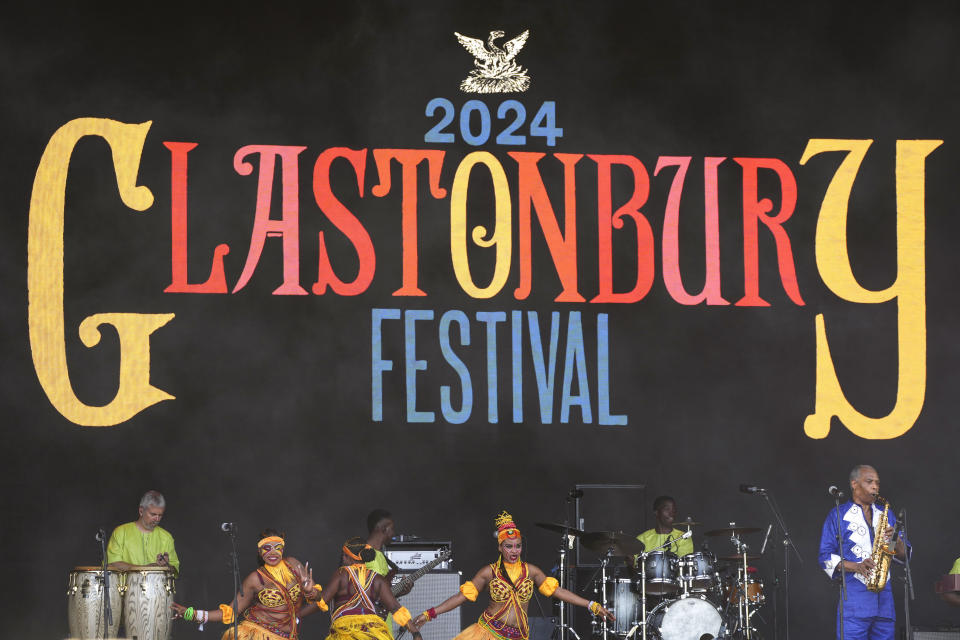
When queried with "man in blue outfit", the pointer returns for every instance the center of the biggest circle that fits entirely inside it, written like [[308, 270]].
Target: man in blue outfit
[[866, 615]]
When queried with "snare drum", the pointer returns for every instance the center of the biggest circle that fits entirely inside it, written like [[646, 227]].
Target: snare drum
[[146, 603], [698, 571], [662, 576], [85, 602], [624, 605]]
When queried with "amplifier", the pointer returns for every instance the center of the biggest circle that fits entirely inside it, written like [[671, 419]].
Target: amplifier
[[410, 556], [429, 591]]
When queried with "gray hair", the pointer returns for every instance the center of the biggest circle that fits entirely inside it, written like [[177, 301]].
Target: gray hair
[[153, 499], [855, 472]]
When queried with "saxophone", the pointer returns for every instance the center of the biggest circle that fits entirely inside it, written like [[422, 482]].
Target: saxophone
[[882, 553]]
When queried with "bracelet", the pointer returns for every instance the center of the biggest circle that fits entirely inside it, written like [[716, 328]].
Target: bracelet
[[188, 614], [430, 614]]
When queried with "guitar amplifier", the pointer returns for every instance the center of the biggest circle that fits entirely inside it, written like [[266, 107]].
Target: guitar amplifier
[[429, 591], [414, 554]]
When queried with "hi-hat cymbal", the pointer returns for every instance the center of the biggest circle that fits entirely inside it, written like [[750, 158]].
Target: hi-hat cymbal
[[731, 531], [619, 543], [559, 528]]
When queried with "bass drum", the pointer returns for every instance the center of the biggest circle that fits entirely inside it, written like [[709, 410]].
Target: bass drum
[[85, 603], [692, 618], [146, 604]]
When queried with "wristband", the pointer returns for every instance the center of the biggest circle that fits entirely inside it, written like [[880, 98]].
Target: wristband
[[188, 614], [594, 607]]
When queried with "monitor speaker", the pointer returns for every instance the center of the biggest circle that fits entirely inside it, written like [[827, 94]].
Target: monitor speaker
[[429, 591]]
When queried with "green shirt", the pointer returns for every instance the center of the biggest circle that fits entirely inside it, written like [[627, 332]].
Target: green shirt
[[956, 567], [129, 544], [380, 565], [651, 540]]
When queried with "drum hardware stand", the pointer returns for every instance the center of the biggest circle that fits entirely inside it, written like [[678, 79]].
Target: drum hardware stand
[[642, 559], [107, 611], [562, 626]]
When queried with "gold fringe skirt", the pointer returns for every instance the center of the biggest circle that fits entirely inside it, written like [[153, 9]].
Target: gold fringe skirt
[[247, 630], [479, 631], [366, 627]]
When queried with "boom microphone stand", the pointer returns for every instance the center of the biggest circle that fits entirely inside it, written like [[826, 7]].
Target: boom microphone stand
[[843, 570], [787, 545], [908, 594], [231, 529]]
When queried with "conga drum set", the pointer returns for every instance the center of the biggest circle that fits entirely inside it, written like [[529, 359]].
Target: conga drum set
[[663, 596], [139, 599]]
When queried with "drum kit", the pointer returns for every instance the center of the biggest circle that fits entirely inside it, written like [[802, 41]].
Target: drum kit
[[140, 597], [655, 594]]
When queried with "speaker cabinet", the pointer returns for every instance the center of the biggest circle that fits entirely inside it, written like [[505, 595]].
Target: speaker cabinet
[[927, 633], [429, 591]]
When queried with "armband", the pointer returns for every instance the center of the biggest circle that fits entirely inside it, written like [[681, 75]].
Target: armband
[[322, 605], [469, 591], [227, 611], [401, 616], [548, 586]]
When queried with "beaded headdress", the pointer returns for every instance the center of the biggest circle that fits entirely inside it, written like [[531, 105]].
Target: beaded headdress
[[506, 527]]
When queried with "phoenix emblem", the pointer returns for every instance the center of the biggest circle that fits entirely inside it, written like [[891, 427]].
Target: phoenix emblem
[[495, 69]]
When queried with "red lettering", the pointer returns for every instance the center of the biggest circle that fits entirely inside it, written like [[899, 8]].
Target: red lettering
[[409, 159], [755, 210], [608, 221], [288, 227], [562, 246], [711, 228], [345, 221], [217, 282]]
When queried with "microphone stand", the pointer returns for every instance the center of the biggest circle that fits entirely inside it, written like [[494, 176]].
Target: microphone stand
[[843, 569], [107, 611], [236, 577], [908, 594], [787, 545]]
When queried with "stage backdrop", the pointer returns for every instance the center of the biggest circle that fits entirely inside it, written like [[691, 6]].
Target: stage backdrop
[[287, 264]]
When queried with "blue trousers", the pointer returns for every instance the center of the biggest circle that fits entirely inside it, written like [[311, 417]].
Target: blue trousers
[[866, 628]]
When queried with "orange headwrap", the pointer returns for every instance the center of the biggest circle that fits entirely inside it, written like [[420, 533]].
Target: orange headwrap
[[506, 527]]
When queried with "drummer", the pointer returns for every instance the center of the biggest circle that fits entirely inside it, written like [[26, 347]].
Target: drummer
[[144, 542], [665, 511]]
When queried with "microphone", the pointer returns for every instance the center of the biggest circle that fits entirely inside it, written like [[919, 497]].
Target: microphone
[[765, 538], [749, 488], [833, 491], [226, 526], [101, 534], [686, 534]]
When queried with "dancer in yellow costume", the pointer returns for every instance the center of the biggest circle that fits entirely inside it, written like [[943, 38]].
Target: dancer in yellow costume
[[273, 597], [353, 591], [511, 583]]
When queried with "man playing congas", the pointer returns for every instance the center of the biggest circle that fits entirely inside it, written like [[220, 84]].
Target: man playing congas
[[143, 542]]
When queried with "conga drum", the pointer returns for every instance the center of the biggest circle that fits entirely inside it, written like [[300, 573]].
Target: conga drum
[[146, 603], [85, 603]]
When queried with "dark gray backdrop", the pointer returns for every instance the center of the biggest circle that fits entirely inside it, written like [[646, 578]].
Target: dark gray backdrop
[[271, 425]]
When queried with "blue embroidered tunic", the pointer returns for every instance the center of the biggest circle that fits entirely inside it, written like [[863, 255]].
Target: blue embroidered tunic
[[857, 545]]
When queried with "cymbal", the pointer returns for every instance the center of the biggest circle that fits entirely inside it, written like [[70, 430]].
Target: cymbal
[[559, 528], [754, 556], [687, 523], [620, 543], [731, 531]]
